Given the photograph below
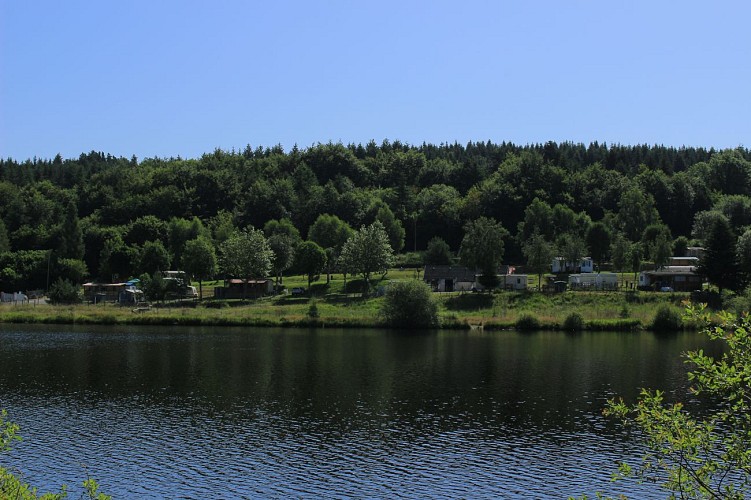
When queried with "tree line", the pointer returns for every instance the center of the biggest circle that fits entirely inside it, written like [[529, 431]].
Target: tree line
[[99, 216]]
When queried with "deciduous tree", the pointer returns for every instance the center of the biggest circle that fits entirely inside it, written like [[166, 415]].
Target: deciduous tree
[[310, 259], [199, 260], [539, 254], [367, 251], [438, 252], [246, 254], [482, 248], [704, 455]]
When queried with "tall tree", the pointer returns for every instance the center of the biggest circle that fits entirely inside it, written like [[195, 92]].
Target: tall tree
[[438, 252], [367, 251], [393, 227], [539, 253], [720, 262], [154, 258], [330, 232], [572, 248], [310, 259], [70, 244], [661, 250], [598, 242], [199, 260], [246, 254], [482, 248], [619, 251], [283, 246], [4, 241], [180, 231]]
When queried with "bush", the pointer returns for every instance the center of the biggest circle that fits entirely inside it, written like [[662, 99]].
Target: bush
[[573, 323], [409, 304], [64, 292], [527, 322], [667, 320], [313, 310]]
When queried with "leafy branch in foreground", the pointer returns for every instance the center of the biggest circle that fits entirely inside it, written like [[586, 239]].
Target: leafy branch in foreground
[[704, 456], [13, 487]]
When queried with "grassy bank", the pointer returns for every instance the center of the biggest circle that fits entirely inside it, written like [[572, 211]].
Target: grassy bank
[[337, 305]]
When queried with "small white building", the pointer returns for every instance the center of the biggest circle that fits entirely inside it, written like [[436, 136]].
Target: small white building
[[515, 282], [585, 265], [593, 281]]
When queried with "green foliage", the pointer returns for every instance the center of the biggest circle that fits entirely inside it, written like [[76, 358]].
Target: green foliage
[[598, 242], [720, 262], [573, 323], [313, 310], [181, 231], [539, 254], [527, 322], [283, 247], [703, 455], [117, 260], [199, 260], [680, 246], [667, 319], [64, 292], [154, 258], [392, 226], [283, 227], [428, 190], [72, 270], [24, 269], [310, 259], [409, 304], [367, 251], [572, 248], [154, 287], [329, 231], [70, 242], [438, 252], [246, 254], [482, 245], [4, 241], [619, 251]]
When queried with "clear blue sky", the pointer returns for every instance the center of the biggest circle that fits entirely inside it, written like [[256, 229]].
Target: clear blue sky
[[169, 78]]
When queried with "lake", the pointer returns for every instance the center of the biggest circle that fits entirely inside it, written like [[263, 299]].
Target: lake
[[155, 412]]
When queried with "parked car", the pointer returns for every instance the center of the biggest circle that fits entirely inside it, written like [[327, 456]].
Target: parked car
[[298, 290]]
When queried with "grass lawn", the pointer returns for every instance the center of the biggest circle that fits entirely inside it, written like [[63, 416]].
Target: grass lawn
[[339, 304]]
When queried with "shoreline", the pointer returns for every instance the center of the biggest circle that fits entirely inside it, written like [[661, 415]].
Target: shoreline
[[506, 311]]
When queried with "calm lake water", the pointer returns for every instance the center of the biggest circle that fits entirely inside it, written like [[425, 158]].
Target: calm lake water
[[236, 413]]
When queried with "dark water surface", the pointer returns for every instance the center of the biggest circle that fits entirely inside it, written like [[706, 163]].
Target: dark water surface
[[236, 413]]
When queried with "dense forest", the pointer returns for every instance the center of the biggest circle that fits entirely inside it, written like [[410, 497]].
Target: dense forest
[[97, 216]]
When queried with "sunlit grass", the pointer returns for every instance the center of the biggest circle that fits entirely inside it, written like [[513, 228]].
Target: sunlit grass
[[340, 303]]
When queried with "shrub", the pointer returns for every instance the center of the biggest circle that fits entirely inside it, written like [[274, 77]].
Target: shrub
[[64, 292], [527, 322], [409, 304], [573, 323], [625, 313], [313, 310], [667, 319]]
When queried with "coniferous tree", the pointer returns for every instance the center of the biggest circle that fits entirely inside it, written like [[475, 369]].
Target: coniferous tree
[[71, 237], [4, 241], [720, 262]]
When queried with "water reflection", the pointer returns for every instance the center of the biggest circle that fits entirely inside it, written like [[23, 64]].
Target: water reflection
[[192, 412]]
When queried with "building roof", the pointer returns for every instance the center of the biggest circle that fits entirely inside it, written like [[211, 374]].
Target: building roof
[[457, 273], [236, 281], [673, 270]]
